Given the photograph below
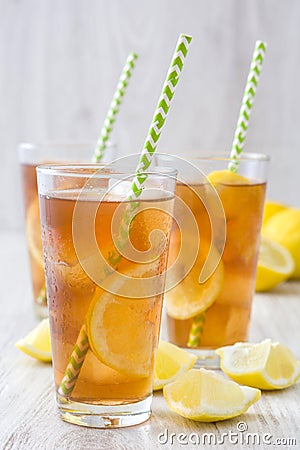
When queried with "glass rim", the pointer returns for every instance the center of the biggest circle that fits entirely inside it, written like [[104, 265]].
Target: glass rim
[[28, 145], [94, 169], [62, 151], [220, 156]]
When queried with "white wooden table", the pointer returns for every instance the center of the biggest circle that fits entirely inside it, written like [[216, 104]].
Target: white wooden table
[[28, 416]]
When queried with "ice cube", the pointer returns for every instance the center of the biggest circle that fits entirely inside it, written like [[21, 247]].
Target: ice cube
[[119, 188]]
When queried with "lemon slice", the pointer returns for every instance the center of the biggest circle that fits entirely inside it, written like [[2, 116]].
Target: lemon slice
[[266, 365], [33, 233], [128, 350], [171, 361], [206, 396], [275, 264], [270, 209], [190, 298], [37, 343], [226, 177], [284, 228], [122, 330]]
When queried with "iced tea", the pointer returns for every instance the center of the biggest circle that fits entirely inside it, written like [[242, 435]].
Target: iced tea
[[122, 320], [217, 312], [33, 234], [30, 156]]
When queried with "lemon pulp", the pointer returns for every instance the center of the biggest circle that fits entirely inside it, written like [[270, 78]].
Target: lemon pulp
[[206, 396], [266, 365], [171, 361]]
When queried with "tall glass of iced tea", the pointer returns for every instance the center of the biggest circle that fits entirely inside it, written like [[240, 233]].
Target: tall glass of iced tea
[[203, 314], [105, 262], [31, 155]]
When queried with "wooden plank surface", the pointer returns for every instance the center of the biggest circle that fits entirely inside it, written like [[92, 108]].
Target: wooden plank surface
[[28, 416]]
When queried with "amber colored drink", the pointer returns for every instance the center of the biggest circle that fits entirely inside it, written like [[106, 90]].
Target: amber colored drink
[[33, 234], [30, 156], [122, 317], [226, 320]]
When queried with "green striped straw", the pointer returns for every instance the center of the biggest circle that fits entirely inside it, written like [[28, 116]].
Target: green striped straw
[[81, 347], [237, 148], [157, 124], [114, 107], [247, 103], [197, 330], [160, 114], [42, 297], [75, 362]]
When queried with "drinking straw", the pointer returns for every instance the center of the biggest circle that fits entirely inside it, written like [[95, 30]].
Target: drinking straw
[[75, 362], [158, 121], [247, 103], [114, 107], [42, 297], [236, 150], [197, 330]]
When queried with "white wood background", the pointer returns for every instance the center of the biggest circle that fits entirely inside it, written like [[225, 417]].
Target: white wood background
[[60, 61]]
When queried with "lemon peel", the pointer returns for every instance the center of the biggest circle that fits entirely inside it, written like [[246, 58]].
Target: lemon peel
[[284, 228], [270, 209]]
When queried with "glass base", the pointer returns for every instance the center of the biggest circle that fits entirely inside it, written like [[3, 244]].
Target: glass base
[[208, 359], [104, 416], [41, 311]]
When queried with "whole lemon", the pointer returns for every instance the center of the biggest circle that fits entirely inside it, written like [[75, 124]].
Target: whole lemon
[[271, 208], [284, 228]]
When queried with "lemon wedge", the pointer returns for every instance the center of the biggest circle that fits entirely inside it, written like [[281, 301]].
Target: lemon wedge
[[284, 228], [171, 361], [206, 396], [266, 365], [270, 209], [37, 343], [275, 264]]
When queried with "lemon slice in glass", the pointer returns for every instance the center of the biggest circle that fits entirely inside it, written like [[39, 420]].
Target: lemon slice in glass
[[171, 361], [122, 332], [33, 233], [206, 396], [37, 343], [266, 365], [226, 177], [190, 298], [275, 264]]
